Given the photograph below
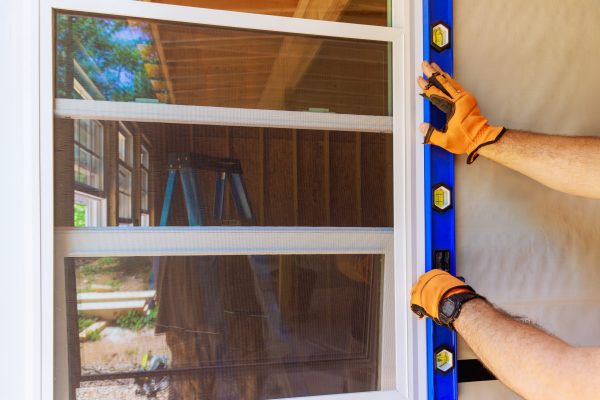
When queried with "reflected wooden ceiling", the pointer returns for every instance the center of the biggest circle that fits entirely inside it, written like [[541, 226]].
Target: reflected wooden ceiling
[[201, 65]]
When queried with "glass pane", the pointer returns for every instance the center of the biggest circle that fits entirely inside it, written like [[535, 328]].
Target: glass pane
[[122, 142], [145, 221], [98, 134], [145, 158], [96, 173], [369, 12], [82, 166], [124, 206], [124, 180], [214, 327], [81, 215], [84, 133], [144, 191], [151, 61], [290, 177]]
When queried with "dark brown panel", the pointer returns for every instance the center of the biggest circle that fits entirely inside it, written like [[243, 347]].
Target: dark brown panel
[[311, 182], [344, 202], [64, 199], [279, 168]]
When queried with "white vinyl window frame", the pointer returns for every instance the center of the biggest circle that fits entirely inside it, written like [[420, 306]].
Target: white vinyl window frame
[[403, 364]]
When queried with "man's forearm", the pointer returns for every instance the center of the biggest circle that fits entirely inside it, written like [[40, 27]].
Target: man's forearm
[[533, 363], [568, 164]]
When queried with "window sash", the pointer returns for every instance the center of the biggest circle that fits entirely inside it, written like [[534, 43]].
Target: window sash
[[185, 241], [96, 208], [233, 19]]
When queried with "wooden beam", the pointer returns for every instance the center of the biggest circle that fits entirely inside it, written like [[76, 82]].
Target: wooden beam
[[261, 189], [326, 179], [162, 60], [287, 71], [271, 7], [358, 177], [295, 189]]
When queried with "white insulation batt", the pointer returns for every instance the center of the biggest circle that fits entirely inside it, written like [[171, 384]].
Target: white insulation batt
[[533, 65]]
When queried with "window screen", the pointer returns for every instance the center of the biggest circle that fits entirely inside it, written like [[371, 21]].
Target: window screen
[[251, 327], [290, 177], [150, 61]]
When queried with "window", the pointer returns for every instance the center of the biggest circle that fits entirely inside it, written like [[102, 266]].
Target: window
[[282, 138], [145, 182], [126, 147], [125, 181], [88, 164], [124, 193], [89, 153], [90, 211]]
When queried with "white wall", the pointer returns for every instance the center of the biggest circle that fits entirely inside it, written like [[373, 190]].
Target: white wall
[[18, 217], [529, 249]]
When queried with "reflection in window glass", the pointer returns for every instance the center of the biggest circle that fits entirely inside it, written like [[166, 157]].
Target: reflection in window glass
[[126, 147], [145, 220], [290, 177], [145, 158], [89, 211], [369, 12], [150, 61], [144, 182], [283, 326], [89, 153], [144, 189], [124, 193]]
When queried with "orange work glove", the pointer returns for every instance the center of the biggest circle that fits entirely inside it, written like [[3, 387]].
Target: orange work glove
[[429, 291], [466, 130]]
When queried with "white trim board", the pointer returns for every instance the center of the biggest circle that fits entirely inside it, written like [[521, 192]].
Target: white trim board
[[165, 241], [224, 116]]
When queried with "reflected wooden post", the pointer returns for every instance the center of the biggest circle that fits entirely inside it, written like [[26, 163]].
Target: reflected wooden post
[[261, 189], [111, 172], [136, 190], [358, 177], [64, 181]]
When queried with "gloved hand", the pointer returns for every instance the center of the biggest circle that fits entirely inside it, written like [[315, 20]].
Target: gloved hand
[[429, 291], [466, 130]]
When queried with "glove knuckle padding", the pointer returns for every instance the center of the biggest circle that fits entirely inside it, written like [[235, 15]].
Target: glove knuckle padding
[[430, 289], [445, 106]]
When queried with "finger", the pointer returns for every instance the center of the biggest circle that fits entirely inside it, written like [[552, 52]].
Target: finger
[[433, 136], [437, 68], [424, 127], [431, 90], [441, 82], [455, 85], [422, 82], [427, 69]]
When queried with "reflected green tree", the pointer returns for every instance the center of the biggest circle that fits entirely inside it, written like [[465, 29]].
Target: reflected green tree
[[103, 55]]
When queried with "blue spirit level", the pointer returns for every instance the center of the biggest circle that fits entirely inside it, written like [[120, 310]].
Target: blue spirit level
[[439, 205]]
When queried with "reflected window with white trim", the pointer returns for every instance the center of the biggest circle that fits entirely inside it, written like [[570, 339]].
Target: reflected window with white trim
[[89, 153], [90, 211], [144, 183]]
